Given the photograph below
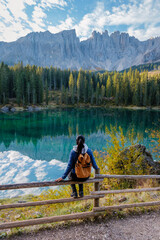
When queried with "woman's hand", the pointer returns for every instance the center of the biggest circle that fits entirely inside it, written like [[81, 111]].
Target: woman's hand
[[59, 179]]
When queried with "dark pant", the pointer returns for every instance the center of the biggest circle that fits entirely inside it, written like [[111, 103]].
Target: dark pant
[[73, 177]]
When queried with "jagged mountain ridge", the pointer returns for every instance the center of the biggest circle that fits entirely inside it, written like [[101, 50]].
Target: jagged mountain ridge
[[64, 50]]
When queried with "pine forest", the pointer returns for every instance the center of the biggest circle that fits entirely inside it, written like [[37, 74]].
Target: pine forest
[[26, 85]]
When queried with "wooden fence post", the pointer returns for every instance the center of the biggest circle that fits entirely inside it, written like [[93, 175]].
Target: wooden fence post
[[96, 188]]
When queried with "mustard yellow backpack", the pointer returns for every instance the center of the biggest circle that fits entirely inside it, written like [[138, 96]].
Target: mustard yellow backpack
[[83, 166]]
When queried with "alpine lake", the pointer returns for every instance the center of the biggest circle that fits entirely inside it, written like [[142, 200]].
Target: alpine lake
[[35, 146]]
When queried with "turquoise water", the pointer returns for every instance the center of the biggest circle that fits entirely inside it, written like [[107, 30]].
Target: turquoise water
[[35, 146]]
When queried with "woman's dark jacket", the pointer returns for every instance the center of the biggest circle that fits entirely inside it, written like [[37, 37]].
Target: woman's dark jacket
[[73, 159]]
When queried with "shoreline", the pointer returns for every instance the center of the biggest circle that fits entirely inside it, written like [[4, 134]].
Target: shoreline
[[37, 108]]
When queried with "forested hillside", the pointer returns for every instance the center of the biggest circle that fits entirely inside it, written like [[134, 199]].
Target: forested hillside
[[145, 67], [26, 85]]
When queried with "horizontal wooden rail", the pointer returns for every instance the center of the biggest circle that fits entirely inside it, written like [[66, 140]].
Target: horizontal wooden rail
[[126, 191], [49, 220], [96, 195], [146, 204], [46, 184], [46, 202], [127, 176]]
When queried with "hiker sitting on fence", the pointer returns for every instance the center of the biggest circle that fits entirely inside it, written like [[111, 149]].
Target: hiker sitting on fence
[[79, 166]]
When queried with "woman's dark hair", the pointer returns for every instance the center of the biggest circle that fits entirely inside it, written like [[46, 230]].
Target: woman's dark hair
[[80, 140]]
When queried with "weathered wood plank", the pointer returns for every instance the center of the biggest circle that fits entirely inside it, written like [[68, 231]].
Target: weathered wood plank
[[96, 188], [46, 202], [126, 191], [49, 220], [128, 176], [45, 184], [146, 204]]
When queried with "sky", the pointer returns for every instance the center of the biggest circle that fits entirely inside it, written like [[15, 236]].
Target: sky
[[139, 18]]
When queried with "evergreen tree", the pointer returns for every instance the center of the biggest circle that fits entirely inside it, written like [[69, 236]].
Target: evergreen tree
[[19, 86], [117, 97], [91, 91], [71, 87], [66, 96], [102, 92], [0, 88], [109, 87], [141, 89], [28, 92], [46, 92], [136, 95], [115, 79], [4, 83], [33, 93], [125, 89], [63, 95], [132, 87], [40, 89], [145, 99], [157, 87], [85, 90], [54, 78], [97, 94], [151, 92], [61, 77], [80, 87]]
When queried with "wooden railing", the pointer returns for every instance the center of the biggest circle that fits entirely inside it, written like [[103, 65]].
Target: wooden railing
[[95, 195]]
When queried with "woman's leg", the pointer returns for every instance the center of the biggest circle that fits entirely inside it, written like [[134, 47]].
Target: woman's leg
[[73, 186], [81, 186], [73, 176], [81, 190]]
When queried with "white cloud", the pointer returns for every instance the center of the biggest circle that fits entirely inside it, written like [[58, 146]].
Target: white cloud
[[133, 15], [2, 26], [13, 16], [38, 16], [140, 17], [16, 8], [14, 21], [14, 31], [4, 12], [64, 25], [53, 3], [144, 34], [30, 2], [93, 21], [144, 12]]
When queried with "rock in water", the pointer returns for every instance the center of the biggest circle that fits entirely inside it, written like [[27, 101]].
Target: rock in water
[[13, 109], [5, 109], [30, 109]]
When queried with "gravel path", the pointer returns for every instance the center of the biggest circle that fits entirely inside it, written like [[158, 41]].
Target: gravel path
[[143, 227]]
